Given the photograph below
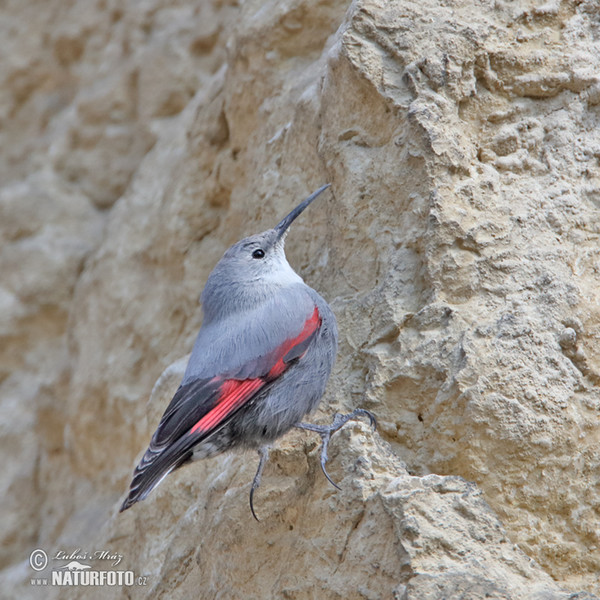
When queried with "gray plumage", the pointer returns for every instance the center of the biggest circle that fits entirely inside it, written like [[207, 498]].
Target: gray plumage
[[260, 363]]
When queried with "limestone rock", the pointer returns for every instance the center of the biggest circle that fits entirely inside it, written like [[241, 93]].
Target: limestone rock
[[459, 250]]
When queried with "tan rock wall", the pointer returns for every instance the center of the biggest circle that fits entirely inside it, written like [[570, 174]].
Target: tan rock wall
[[459, 249]]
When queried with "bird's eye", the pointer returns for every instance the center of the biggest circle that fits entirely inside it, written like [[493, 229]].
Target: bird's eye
[[258, 253]]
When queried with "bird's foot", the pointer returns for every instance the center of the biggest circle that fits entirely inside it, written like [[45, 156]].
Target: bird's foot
[[263, 452], [326, 431]]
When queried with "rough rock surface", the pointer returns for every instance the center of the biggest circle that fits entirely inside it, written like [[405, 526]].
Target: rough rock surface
[[459, 249]]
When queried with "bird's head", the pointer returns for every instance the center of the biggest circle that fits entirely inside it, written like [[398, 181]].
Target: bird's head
[[253, 267]]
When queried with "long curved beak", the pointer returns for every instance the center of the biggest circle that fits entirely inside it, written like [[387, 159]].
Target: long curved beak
[[281, 228]]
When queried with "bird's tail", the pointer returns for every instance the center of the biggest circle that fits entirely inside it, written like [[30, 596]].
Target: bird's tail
[[153, 468]]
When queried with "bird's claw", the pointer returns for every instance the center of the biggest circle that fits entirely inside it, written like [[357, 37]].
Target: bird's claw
[[325, 437], [326, 431], [263, 452]]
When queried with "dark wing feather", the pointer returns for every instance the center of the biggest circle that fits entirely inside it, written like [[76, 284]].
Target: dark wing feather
[[190, 403]]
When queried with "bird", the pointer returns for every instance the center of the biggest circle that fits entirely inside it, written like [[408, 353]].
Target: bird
[[260, 364]]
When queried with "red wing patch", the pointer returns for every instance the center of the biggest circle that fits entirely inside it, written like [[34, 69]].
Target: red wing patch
[[236, 392], [310, 326]]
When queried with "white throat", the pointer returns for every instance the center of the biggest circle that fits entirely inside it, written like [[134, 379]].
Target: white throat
[[282, 273]]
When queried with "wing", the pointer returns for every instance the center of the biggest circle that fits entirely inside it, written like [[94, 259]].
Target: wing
[[241, 342], [202, 406]]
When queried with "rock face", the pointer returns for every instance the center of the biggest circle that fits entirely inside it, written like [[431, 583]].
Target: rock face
[[459, 250]]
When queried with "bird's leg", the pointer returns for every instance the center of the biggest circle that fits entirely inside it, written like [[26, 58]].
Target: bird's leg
[[263, 452], [326, 431]]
